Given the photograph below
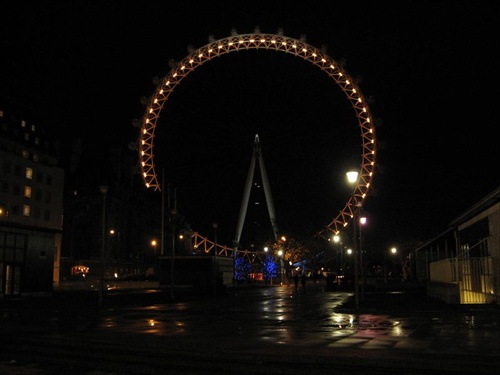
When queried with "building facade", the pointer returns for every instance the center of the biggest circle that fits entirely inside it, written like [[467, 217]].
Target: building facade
[[31, 209], [462, 264]]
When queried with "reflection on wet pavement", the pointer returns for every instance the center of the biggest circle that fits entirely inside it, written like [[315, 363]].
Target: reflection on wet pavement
[[270, 319], [285, 316]]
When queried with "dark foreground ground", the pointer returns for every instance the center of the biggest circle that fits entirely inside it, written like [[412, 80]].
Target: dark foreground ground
[[258, 330]]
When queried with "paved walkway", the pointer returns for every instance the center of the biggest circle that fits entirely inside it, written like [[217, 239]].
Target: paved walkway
[[251, 330]]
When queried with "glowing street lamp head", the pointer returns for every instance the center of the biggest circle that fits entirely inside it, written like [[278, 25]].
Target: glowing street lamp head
[[352, 177]]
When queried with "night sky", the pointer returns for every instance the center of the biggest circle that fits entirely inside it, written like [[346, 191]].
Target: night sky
[[79, 68]]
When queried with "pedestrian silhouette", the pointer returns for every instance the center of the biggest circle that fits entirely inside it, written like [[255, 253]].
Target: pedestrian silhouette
[[296, 279], [303, 279]]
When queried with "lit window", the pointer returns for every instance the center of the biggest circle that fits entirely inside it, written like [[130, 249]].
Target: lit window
[[27, 191], [29, 173], [23, 123], [26, 137], [1, 114], [26, 210], [36, 157], [37, 140], [32, 128], [26, 154]]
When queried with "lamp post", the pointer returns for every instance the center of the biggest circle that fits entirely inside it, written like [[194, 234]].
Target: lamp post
[[336, 239], [352, 177], [235, 249], [215, 225], [362, 221], [104, 191], [173, 213], [280, 255], [265, 272], [114, 245], [395, 264], [349, 257]]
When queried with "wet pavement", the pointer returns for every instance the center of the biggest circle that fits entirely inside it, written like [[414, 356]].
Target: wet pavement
[[258, 330]]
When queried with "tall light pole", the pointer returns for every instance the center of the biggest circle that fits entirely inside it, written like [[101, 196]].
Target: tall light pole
[[352, 177], [395, 253], [215, 225], [266, 269], [235, 284], [336, 239], [280, 255], [104, 191], [173, 213], [362, 221]]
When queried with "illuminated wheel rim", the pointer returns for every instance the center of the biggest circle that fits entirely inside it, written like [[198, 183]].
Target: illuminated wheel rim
[[275, 42]]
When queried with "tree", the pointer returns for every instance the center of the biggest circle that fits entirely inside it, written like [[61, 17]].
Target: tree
[[269, 267], [242, 268], [293, 250]]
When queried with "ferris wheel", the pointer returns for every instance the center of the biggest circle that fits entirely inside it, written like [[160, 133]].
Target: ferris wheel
[[274, 42]]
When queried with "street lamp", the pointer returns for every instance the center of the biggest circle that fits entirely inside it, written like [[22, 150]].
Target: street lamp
[[352, 177], [362, 221], [265, 271], [154, 243], [173, 213], [113, 246], [104, 191], [280, 255], [395, 264], [336, 239]]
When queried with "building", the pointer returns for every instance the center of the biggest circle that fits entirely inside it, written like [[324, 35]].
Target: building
[[462, 264], [31, 209]]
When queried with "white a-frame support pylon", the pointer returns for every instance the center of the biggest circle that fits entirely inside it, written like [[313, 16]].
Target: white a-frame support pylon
[[257, 154]]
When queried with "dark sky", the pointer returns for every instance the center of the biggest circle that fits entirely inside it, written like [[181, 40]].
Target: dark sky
[[431, 67]]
